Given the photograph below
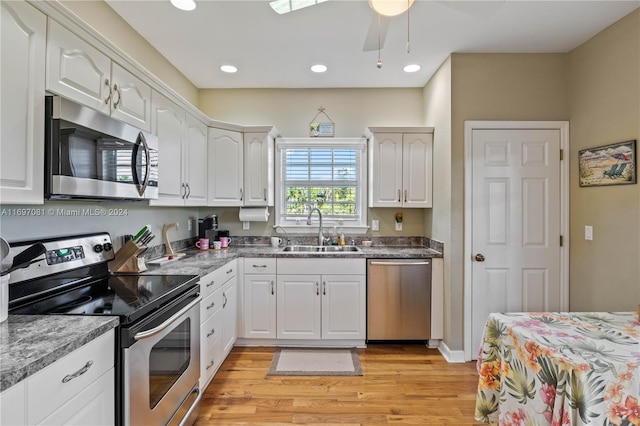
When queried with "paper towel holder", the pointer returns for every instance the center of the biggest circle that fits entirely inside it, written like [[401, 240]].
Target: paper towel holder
[[248, 215]]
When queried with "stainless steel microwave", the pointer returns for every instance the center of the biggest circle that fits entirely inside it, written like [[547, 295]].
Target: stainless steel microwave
[[89, 155]]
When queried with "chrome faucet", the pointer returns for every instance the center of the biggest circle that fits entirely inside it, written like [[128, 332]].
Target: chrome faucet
[[321, 238], [286, 236]]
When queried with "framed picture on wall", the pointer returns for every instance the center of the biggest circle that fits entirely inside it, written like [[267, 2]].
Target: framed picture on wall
[[613, 164]]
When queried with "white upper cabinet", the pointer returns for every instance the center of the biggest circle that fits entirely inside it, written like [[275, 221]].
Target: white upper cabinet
[[400, 173], [226, 178], [259, 163], [22, 53], [182, 153], [80, 72]]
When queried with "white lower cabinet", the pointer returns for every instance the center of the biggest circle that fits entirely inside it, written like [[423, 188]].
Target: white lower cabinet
[[260, 298], [218, 330], [321, 299], [78, 389]]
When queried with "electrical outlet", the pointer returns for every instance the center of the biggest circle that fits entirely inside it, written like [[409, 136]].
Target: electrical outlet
[[190, 225], [398, 226], [245, 225], [375, 225], [588, 232]]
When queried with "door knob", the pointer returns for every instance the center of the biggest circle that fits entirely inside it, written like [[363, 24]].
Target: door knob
[[479, 257]]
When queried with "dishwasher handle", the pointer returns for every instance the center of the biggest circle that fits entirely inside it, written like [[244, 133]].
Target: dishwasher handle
[[398, 263]]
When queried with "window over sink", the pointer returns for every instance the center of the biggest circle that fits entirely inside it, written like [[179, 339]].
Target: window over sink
[[327, 174]]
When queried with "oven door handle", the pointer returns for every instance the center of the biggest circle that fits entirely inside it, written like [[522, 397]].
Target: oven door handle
[[149, 333]]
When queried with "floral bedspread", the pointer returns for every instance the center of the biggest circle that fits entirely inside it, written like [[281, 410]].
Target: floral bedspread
[[560, 369]]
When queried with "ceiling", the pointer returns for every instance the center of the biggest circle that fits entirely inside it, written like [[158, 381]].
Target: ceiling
[[276, 51]]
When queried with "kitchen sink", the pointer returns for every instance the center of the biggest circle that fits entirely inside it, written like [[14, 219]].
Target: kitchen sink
[[321, 249]]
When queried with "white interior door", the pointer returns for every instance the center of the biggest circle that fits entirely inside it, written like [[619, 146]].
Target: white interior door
[[516, 223]]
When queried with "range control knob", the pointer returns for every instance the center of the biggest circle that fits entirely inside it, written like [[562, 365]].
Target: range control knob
[[107, 247], [97, 248]]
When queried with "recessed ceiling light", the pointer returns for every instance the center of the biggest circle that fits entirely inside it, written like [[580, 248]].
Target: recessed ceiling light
[[228, 68], [411, 68], [184, 4], [318, 68]]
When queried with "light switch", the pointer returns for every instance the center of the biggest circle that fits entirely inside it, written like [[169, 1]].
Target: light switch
[[588, 232], [398, 226], [375, 225]]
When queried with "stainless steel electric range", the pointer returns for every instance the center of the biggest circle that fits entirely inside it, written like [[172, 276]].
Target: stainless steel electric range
[[158, 339]]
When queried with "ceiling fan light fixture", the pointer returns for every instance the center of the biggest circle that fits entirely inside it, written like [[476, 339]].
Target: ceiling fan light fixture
[[390, 7], [285, 6], [187, 5], [411, 68], [228, 69], [319, 68]]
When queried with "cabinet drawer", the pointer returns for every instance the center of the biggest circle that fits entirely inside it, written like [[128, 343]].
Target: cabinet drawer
[[259, 265], [210, 330], [210, 305], [53, 386], [321, 266], [228, 271], [211, 282]]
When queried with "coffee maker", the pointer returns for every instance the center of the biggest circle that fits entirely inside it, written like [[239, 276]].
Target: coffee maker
[[207, 227]]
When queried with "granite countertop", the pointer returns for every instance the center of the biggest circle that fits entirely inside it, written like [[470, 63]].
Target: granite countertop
[[201, 262], [31, 342]]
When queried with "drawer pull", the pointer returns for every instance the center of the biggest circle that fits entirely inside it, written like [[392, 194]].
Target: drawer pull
[[211, 364], [211, 305], [78, 373], [224, 304], [272, 292], [259, 266], [210, 284], [230, 271], [211, 333]]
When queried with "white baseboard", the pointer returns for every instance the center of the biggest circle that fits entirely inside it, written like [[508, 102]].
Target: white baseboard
[[449, 355]]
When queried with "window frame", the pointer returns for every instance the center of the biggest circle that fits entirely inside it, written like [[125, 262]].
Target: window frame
[[299, 225]]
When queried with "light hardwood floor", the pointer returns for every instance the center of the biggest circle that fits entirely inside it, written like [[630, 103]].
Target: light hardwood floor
[[399, 385]]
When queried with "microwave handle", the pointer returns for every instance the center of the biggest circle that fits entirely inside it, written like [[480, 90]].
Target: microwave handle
[[142, 141]]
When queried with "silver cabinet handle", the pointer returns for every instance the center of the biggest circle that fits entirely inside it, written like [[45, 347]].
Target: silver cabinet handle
[[188, 189], [230, 271], [225, 300], [167, 323], [211, 364], [272, 289], [119, 93], [324, 288], [405, 195], [211, 333], [399, 263], [264, 191], [241, 194], [211, 283], [184, 194], [317, 289], [211, 305], [259, 266], [399, 192], [106, 83], [78, 373]]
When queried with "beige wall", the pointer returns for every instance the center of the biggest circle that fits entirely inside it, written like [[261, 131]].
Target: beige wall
[[437, 109], [108, 23], [604, 93], [484, 87], [291, 110]]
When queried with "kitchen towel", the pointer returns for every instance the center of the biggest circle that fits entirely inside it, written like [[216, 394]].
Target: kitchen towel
[[260, 214]]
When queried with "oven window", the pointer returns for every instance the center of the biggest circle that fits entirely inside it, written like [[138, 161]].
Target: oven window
[[168, 359]]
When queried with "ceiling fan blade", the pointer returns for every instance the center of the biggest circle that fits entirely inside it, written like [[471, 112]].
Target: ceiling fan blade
[[371, 40]]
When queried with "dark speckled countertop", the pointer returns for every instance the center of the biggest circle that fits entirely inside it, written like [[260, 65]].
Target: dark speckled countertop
[[31, 342]]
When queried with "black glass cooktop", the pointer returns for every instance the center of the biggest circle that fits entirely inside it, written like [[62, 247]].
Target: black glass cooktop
[[128, 296]]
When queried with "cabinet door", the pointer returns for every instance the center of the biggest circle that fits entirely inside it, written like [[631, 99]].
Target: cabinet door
[[343, 307], [298, 307], [385, 175], [76, 70], [225, 168], [417, 152], [260, 306], [210, 348], [13, 406], [22, 53], [229, 315], [258, 169], [131, 98], [168, 121], [195, 164]]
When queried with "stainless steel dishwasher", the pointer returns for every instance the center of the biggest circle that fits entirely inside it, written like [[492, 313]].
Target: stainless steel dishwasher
[[398, 299]]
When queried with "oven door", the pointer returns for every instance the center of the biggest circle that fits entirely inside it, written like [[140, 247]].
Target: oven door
[[162, 365]]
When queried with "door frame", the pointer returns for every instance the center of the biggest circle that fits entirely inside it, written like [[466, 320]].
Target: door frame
[[469, 127]]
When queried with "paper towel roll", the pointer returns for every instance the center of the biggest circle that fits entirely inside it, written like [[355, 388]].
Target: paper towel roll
[[260, 214]]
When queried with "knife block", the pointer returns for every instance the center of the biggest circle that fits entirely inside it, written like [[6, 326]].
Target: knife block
[[126, 259]]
